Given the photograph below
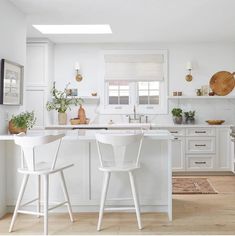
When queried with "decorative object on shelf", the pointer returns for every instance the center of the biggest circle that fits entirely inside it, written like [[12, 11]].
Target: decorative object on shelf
[[189, 76], [11, 84], [22, 122], [94, 94], [215, 122], [179, 93], [61, 103], [199, 92], [175, 93], [189, 117], [177, 115], [82, 115], [78, 72], [222, 83], [211, 93], [205, 90], [71, 92]]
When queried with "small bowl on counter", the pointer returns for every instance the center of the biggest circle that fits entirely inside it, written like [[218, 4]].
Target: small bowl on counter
[[215, 122]]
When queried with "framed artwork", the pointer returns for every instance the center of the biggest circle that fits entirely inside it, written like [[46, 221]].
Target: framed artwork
[[11, 83]]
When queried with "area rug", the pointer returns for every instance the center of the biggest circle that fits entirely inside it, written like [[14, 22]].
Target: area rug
[[192, 186]]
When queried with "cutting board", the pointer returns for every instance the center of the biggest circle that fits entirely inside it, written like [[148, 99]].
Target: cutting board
[[222, 83]]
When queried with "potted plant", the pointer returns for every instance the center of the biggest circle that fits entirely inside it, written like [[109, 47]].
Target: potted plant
[[189, 117], [61, 103], [177, 115], [22, 122]]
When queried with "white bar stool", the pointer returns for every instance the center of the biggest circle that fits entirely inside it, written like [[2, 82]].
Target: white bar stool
[[30, 167], [118, 163]]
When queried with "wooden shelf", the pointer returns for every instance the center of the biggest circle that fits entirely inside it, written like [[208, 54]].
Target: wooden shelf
[[88, 98], [200, 97]]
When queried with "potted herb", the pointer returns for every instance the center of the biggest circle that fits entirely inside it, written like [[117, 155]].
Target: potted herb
[[177, 115], [61, 103], [22, 122], [189, 117]]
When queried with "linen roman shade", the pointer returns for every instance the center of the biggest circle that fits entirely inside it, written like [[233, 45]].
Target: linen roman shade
[[134, 67]]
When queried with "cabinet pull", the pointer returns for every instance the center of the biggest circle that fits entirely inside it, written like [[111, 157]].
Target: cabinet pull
[[200, 145], [200, 162], [200, 132], [174, 132], [175, 138]]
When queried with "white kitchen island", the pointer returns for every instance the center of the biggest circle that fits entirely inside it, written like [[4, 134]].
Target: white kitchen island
[[84, 180]]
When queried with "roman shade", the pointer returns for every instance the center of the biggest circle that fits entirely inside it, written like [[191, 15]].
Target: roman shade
[[134, 67]]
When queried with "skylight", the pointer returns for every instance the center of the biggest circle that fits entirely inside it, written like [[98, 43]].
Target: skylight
[[74, 29]]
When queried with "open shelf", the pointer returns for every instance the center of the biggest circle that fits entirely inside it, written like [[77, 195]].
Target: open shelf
[[200, 97]]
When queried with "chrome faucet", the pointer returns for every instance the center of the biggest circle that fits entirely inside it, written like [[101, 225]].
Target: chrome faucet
[[136, 117]]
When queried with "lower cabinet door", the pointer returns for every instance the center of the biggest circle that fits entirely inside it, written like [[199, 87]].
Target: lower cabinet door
[[202, 162], [178, 154]]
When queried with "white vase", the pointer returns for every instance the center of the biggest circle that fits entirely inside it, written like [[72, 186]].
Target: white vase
[[62, 118]]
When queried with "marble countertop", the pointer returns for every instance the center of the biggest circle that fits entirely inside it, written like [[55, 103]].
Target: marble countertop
[[90, 134]]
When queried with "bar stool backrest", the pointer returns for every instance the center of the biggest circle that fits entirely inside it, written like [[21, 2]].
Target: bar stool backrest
[[28, 145], [119, 143]]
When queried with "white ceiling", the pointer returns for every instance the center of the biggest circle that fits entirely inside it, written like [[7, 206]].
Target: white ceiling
[[136, 20]]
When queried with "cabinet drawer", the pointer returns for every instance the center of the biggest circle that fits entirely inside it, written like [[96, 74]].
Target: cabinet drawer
[[200, 145], [200, 132], [177, 131], [202, 162]]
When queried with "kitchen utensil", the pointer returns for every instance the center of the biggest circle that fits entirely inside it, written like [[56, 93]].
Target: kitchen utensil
[[222, 83], [215, 122]]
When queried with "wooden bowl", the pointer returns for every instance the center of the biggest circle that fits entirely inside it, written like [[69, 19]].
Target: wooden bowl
[[215, 122], [75, 121]]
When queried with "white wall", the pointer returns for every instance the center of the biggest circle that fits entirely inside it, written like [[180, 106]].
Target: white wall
[[207, 59], [12, 47]]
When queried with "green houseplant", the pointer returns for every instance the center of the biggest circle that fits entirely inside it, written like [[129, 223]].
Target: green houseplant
[[22, 122], [61, 103], [177, 115], [189, 117]]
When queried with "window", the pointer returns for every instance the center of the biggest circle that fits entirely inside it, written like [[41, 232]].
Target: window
[[118, 93], [148, 93], [135, 77]]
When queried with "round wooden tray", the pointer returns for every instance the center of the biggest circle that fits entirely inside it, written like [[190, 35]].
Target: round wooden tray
[[222, 83]]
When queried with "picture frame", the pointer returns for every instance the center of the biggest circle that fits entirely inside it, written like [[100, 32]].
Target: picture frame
[[11, 83]]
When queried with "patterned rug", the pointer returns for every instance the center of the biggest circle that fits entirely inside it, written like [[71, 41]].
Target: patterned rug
[[192, 186]]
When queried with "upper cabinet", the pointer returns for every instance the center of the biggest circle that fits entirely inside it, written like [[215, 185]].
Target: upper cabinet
[[39, 66], [38, 79]]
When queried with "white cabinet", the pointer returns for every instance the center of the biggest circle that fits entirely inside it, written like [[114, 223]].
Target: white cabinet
[[39, 75], [201, 149], [223, 149], [178, 153], [200, 162], [36, 66], [195, 145]]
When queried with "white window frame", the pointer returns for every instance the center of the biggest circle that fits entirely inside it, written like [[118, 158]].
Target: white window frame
[[161, 108]]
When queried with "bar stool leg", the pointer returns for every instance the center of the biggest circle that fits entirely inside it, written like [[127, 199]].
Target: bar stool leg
[[135, 198], [39, 196], [66, 196], [46, 195], [20, 196], [103, 197]]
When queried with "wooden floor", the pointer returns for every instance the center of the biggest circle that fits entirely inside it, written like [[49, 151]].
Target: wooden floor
[[193, 214]]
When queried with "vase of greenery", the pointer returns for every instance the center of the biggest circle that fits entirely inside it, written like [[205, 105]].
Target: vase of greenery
[[61, 103], [189, 117], [22, 122], [177, 115]]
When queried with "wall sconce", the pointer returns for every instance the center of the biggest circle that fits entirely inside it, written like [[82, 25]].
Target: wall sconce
[[189, 76], [78, 73]]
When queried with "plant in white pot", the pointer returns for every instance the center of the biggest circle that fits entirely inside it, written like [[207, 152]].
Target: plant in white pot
[[61, 103]]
